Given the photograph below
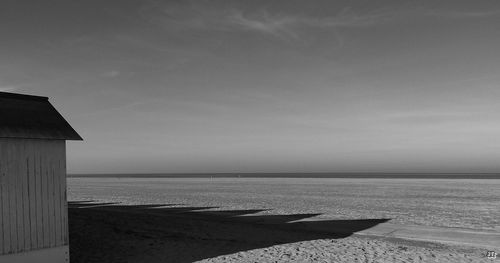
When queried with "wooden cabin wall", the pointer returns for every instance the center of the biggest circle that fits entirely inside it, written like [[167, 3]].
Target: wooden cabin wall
[[33, 206]]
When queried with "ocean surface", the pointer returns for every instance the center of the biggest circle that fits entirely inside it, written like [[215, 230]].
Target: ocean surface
[[464, 203]]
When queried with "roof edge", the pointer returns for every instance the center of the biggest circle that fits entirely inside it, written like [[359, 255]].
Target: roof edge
[[22, 96], [33, 126], [79, 138], [75, 136]]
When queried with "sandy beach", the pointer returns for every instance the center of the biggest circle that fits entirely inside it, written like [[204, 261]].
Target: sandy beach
[[175, 131], [101, 232]]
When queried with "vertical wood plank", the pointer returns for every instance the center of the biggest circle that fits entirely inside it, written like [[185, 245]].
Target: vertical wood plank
[[12, 198], [19, 199], [63, 187], [39, 195], [20, 195], [48, 198], [45, 200], [2, 181], [15, 193], [32, 194], [23, 174], [50, 154], [5, 197], [54, 207], [42, 196], [64, 197], [57, 195]]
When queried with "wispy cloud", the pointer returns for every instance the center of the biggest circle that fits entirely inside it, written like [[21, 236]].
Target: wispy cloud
[[282, 25], [289, 26], [203, 15], [279, 26]]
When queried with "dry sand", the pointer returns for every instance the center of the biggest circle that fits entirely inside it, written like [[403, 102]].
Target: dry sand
[[355, 249], [167, 233]]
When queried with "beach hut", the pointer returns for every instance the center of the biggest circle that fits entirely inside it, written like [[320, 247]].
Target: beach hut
[[33, 204]]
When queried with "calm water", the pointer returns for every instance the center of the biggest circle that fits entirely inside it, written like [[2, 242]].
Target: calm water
[[461, 203]]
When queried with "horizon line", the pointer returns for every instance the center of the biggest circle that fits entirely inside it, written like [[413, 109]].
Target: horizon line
[[409, 175]]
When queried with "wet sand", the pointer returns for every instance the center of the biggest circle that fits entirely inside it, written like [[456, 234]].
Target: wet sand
[[169, 233]]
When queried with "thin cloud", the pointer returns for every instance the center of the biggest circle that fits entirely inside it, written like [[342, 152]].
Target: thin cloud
[[281, 25], [438, 117], [289, 25], [202, 16], [345, 18], [462, 14]]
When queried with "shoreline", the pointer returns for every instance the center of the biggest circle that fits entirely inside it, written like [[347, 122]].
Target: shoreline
[[482, 239]]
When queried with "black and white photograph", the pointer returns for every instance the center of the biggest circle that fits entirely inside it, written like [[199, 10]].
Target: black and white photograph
[[259, 131]]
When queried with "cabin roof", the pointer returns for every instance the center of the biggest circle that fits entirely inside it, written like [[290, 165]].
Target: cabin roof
[[32, 117]]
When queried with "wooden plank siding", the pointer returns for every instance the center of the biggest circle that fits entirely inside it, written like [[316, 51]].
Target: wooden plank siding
[[33, 206]]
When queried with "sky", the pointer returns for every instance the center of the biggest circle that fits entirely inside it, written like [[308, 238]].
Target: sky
[[263, 86]]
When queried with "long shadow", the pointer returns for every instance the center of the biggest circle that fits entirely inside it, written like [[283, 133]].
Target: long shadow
[[107, 232]]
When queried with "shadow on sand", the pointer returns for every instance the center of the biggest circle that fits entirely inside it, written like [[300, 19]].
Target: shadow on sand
[[108, 232]]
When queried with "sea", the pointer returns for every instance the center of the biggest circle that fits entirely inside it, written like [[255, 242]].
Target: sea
[[444, 202]]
